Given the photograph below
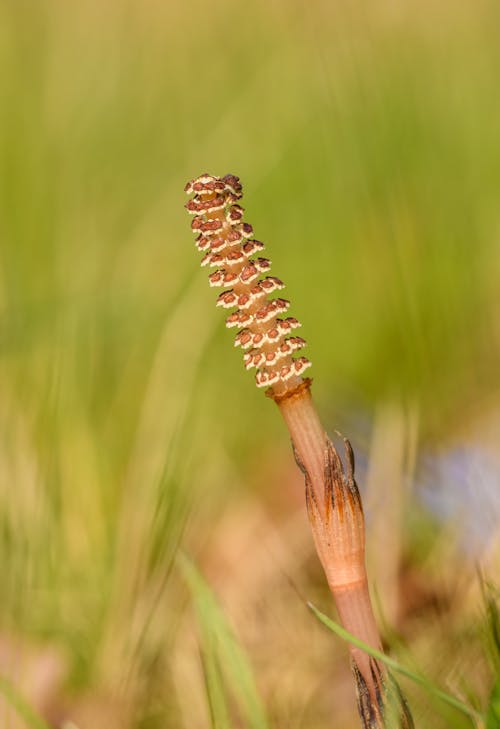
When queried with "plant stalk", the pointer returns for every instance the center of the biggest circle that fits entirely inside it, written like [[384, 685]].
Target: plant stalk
[[337, 522]]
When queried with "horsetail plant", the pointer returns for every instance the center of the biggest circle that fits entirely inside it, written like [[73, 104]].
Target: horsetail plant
[[332, 498]]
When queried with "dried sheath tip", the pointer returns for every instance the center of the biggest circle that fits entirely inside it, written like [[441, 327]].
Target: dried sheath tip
[[228, 245]]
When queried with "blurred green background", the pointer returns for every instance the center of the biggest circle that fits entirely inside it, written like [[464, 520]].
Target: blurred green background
[[367, 140]]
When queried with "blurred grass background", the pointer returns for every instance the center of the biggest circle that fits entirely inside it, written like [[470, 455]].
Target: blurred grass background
[[366, 137]]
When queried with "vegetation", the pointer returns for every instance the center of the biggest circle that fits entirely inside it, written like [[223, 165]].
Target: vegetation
[[367, 137]]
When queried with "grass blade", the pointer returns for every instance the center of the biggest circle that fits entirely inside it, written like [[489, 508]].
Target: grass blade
[[216, 693], [221, 647], [21, 706], [395, 666], [493, 714]]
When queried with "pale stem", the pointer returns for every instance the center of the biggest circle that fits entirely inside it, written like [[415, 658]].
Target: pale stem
[[339, 539]]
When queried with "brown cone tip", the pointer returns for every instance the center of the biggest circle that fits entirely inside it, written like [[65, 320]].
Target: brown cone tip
[[229, 246]]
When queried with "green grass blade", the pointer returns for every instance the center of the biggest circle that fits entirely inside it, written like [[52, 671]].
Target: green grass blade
[[219, 641], [493, 712], [216, 693], [21, 706], [394, 665]]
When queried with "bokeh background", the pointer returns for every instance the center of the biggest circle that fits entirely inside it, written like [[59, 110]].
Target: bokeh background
[[367, 139]]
